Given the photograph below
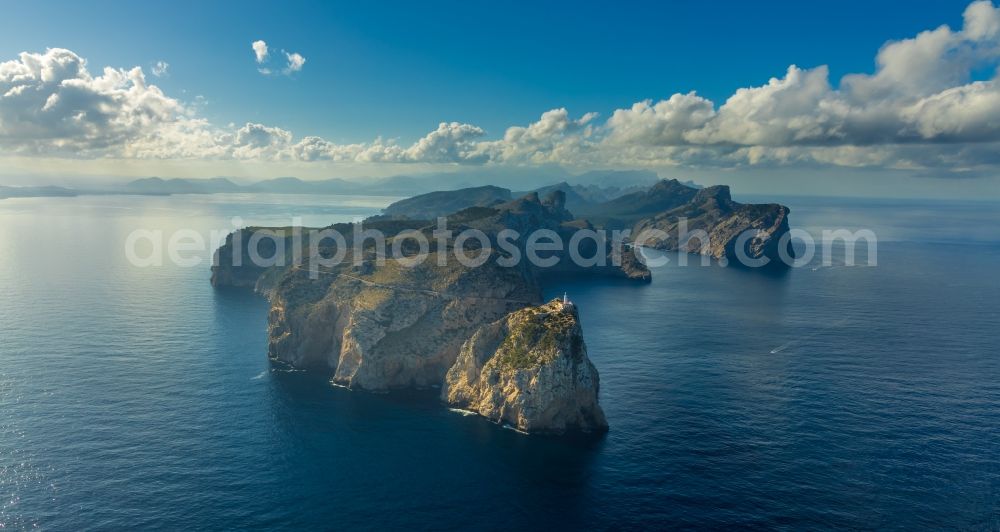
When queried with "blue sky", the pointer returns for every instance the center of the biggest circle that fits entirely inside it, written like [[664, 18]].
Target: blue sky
[[397, 70], [400, 68]]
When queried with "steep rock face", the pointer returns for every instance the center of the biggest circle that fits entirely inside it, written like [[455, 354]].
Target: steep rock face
[[713, 212], [764, 224], [374, 323], [229, 269], [388, 327], [530, 370], [659, 217], [234, 266]]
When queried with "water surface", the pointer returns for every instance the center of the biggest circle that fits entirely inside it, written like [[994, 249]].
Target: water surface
[[825, 397]]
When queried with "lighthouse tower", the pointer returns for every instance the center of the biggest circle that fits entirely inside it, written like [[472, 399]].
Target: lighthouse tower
[[566, 300]]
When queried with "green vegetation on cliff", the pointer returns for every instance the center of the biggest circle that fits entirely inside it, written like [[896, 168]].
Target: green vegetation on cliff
[[536, 334]]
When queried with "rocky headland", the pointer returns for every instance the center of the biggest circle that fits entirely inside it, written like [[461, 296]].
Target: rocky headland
[[480, 332], [712, 212], [530, 370]]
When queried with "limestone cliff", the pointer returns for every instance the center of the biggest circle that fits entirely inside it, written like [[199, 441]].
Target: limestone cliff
[[375, 323], [388, 326], [712, 212], [238, 269], [530, 370]]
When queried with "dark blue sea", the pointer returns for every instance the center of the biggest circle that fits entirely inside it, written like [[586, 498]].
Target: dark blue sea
[[825, 397]]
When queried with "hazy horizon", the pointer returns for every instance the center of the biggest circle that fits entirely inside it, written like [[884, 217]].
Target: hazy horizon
[[916, 188]]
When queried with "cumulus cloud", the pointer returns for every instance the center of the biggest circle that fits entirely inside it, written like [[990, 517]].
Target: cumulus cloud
[[661, 124], [920, 103], [450, 143], [921, 92], [295, 62], [927, 104], [50, 103], [259, 51], [551, 139], [160, 68]]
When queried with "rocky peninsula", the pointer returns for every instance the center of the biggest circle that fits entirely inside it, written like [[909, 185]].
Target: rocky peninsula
[[480, 332]]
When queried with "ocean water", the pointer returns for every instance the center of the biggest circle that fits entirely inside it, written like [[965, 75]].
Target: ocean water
[[849, 397]]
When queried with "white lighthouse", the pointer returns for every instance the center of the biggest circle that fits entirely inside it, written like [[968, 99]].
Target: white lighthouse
[[566, 300]]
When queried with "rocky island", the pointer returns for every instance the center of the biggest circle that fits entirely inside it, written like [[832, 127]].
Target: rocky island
[[479, 331]]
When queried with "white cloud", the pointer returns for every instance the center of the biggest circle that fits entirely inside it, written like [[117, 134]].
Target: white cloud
[[295, 62], [552, 139], [50, 103], [663, 123], [981, 21], [450, 142], [921, 108], [259, 51], [909, 113], [160, 68]]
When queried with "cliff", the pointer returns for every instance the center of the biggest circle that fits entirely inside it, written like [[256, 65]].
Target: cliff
[[713, 212], [386, 326], [529, 370], [377, 324]]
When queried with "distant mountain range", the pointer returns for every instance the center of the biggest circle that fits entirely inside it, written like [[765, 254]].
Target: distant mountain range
[[157, 186], [34, 192], [594, 186]]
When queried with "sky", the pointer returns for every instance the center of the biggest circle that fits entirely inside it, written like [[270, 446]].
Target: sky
[[863, 98]]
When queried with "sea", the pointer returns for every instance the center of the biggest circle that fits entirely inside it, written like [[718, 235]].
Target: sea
[[831, 395]]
